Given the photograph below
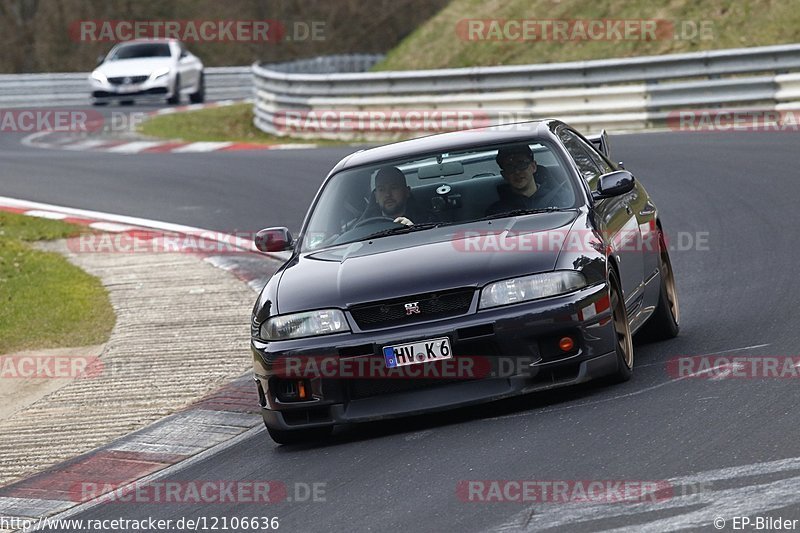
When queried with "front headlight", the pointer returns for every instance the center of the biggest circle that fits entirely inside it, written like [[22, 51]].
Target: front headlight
[[159, 73], [99, 76], [515, 290], [308, 324]]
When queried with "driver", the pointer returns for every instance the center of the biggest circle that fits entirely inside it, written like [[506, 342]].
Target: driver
[[393, 199]]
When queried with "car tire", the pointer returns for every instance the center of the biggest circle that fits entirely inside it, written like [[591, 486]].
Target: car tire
[[623, 339], [99, 103], [299, 436], [199, 96], [176, 94], [665, 320]]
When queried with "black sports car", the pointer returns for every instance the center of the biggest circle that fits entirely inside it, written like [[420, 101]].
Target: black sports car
[[455, 269]]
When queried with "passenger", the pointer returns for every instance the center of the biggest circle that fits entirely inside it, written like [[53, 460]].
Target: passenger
[[393, 199], [526, 185]]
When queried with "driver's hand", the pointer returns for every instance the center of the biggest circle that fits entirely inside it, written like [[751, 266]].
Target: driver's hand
[[404, 221]]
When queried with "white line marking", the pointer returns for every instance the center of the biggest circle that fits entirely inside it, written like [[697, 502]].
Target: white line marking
[[32, 138], [46, 214], [134, 147], [729, 369], [110, 227], [743, 349], [298, 146], [86, 144], [202, 147]]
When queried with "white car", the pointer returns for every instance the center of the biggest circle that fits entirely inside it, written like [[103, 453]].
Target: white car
[[148, 70]]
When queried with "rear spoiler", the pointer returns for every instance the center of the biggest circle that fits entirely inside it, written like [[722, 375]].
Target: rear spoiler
[[600, 141]]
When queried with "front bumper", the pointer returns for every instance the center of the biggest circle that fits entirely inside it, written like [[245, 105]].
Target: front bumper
[[507, 351], [157, 89]]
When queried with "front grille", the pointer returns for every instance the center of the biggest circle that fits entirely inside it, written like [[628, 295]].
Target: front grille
[[127, 80], [432, 306]]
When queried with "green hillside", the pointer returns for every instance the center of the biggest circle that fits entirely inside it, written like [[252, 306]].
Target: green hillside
[[446, 40]]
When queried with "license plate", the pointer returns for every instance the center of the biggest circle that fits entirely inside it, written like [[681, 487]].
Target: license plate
[[129, 88], [417, 352]]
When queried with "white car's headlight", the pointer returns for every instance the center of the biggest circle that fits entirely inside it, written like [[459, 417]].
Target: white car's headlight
[[307, 324], [159, 73], [99, 76], [515, 290]]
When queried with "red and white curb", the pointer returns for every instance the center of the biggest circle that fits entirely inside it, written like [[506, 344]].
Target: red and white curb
[[216, 422], [60, 141], [250, 265], [153, 147]]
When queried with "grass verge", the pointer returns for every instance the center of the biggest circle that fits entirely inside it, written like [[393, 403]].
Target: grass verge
[[45, 301], [232, 123], [441, 42]]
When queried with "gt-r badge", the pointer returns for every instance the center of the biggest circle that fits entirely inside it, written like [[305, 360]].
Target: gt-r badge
[[412, 308]]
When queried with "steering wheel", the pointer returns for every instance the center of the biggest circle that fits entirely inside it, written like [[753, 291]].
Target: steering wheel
[[370, 220]]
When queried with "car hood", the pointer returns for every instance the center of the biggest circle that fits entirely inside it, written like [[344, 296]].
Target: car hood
[[134, 67], [419, 262]]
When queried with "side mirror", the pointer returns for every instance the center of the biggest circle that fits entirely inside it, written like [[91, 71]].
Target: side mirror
[[273, 240], [100, 59], [614, 184]]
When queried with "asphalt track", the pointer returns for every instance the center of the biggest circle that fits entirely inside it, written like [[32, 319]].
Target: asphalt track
[[733, 440]]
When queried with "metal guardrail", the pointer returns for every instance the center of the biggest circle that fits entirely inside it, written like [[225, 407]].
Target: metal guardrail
[[62, 89], [634, 93]]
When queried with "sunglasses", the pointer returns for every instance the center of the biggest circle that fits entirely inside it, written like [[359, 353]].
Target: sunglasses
[[513, 166]]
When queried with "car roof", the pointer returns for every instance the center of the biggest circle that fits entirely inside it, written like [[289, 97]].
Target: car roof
[[452, 141], [152, 41]]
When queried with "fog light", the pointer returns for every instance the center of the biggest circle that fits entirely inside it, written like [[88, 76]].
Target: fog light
[[301, 390], [566, 344], [292, 390]]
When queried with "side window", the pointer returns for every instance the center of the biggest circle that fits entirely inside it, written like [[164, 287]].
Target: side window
[[585, 163], [596, 157]]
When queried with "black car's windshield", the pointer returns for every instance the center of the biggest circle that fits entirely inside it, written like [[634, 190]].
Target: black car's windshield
[[140, 50], [440, 189]]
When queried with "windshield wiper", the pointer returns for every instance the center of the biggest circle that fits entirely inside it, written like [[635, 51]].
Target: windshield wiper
[[402, 229], [520, 212]]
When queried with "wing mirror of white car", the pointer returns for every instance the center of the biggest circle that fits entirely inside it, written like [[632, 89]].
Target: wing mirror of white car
[[273, 240], [100, 59]]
